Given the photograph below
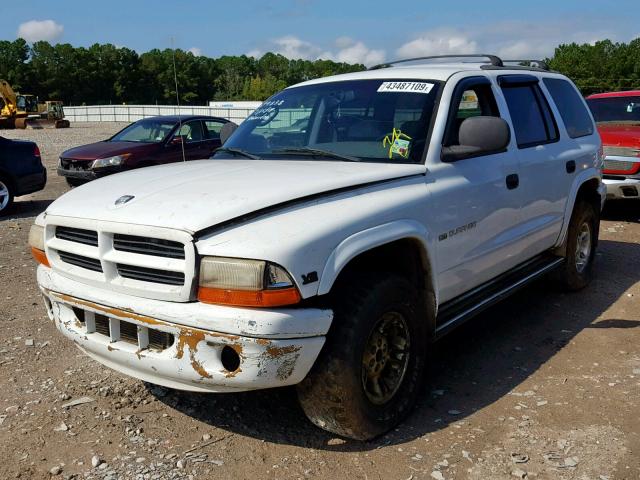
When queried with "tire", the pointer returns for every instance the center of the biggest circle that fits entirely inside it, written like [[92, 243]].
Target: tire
[[339, 395], [582, 240], [6, 195], [74, 182]]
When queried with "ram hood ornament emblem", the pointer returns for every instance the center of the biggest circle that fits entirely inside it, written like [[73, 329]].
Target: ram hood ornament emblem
[[124, 199]]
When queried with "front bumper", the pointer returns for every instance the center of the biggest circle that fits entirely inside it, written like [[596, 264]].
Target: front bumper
[[87, 175], [624, 188], [273, 347]]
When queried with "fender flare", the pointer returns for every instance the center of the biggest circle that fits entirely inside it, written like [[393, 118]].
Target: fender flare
[[368, 239], [579, 180]]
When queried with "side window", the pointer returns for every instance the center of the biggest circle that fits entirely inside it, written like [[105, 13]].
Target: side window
[[530, 114], [571, 107], [191, 131], [212, 129], [473, 101]]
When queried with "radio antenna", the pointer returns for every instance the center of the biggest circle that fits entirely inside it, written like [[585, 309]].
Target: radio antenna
[[175, 79]]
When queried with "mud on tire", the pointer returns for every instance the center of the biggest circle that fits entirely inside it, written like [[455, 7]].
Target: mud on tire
[[582, 239], [338, 395]]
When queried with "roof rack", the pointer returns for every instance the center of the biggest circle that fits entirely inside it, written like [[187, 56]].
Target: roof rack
[[541, 64], [492, 59]]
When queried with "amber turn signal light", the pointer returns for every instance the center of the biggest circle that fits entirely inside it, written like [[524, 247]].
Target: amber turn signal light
[[247, 298], [40, 257]]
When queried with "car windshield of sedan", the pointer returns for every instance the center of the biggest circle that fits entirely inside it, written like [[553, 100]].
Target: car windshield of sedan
[[616, 109], [144, 131], [356, 120]]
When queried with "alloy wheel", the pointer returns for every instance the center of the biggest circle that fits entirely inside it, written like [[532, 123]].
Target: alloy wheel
[[385, 358]]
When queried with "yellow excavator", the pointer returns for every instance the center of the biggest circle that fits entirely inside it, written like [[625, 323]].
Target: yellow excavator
[[24, 111]]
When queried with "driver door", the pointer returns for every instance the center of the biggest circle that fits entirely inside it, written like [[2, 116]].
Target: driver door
[[195, 144], [476, 210]]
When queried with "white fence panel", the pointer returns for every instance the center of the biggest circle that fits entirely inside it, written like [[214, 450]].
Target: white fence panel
[[132, 113]]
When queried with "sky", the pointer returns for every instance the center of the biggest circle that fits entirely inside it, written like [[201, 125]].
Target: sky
[[364, 31]]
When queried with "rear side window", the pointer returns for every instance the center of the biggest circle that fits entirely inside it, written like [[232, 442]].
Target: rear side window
[[530, 113], [571, 107]]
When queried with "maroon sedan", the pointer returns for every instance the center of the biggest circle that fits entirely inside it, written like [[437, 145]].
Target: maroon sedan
[[150, 141]]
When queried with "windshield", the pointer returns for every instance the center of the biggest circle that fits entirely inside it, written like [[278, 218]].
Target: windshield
[[615, 109], [358, 120], [144, 131]]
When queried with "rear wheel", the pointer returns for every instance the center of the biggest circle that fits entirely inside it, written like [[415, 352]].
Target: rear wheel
[[6, 195], [368, 375], [582, 238]]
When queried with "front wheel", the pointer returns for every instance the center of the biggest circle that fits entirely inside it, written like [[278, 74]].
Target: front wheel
[[368, 375], [582, 238]]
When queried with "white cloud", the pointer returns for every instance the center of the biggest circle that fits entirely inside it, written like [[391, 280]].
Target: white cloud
[[196, 51], [442, 41], [508, 39], [351, 51], [35, 30], [347, 50], [293, 47]]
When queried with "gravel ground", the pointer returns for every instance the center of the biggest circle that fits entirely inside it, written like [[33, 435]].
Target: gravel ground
[[543, 386]]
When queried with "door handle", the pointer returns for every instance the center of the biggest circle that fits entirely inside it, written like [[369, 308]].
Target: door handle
[[571, 166], [513, 181]]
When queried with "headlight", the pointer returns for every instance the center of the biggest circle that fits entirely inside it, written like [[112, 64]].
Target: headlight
[[245, 283], [36, 242], [110, 161]]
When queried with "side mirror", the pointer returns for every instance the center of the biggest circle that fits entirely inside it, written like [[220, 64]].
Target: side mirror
[[479, 136], [177, 140], [226, 131]]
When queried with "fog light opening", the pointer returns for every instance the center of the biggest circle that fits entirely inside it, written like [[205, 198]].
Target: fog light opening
[[230, 359]]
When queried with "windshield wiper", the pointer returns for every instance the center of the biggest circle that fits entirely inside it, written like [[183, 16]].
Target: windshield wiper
[[238, 151], [315, 152]]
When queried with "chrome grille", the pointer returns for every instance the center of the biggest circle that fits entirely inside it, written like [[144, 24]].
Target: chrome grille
[[80, 261], [78, 235], [151, 275], [72, 164], [620, 165], [148, 246], [610, 151]]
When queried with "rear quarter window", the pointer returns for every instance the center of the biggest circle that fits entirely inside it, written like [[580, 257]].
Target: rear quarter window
[[571, 107]]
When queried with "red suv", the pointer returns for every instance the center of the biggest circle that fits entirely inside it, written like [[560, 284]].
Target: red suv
[[617, 115], [150, 141]]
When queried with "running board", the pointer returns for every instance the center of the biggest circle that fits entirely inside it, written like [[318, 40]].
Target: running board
[[458, 310]]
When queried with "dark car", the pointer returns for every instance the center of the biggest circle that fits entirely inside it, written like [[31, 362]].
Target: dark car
[[150, 141], [21, 171]]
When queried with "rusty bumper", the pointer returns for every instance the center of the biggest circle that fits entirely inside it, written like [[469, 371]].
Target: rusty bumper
[[184, 357]]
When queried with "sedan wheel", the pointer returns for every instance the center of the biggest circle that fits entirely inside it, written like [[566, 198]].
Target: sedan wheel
[[6, 196]]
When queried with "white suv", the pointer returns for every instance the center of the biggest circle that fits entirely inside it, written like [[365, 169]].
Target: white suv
[[347, 224]]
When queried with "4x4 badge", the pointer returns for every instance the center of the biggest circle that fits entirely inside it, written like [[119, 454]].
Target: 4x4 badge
[[124, 199]]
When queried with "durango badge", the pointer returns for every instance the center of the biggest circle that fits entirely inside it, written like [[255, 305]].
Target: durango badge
[[124, 199]]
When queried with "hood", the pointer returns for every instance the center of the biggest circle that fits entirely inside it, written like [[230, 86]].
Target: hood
[[105, 149], [620, 135], [199, 194]]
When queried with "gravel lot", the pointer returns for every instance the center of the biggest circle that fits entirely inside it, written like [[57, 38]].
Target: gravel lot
[[543, 386]]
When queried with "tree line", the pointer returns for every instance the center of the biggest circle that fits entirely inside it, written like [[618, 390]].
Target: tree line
[[105, 74]]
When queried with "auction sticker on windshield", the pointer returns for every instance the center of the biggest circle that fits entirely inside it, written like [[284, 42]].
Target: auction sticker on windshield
[[408, 87]]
